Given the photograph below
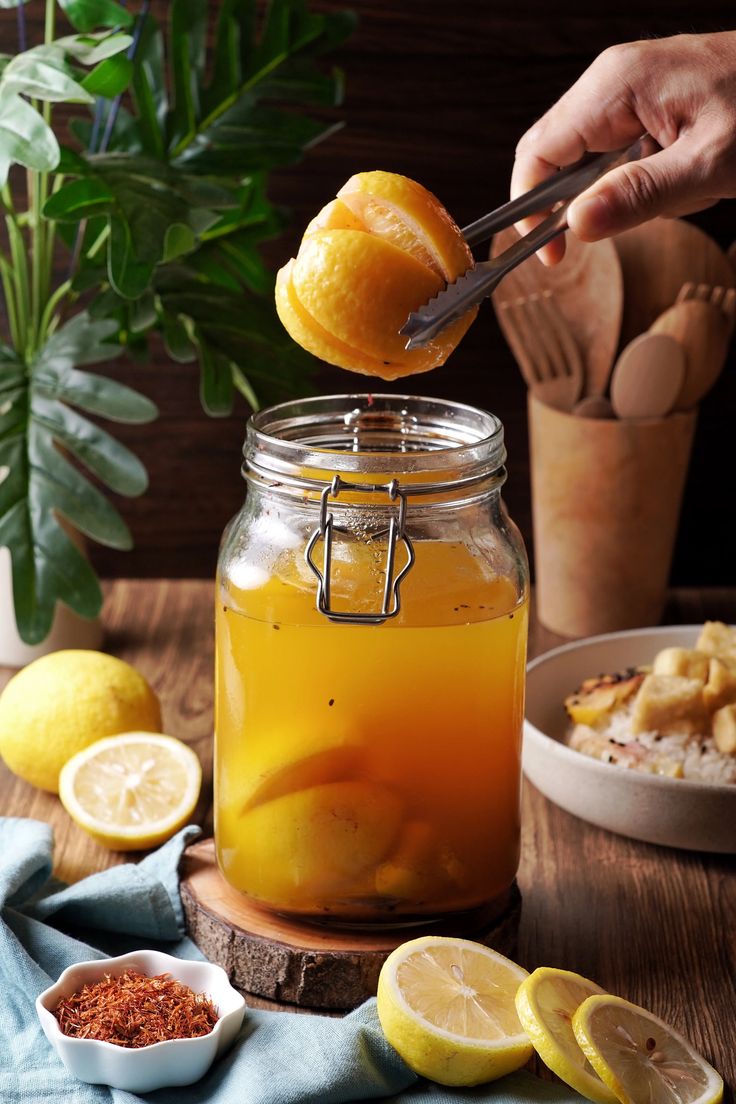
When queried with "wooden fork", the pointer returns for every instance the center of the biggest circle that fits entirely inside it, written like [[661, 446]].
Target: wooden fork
[[722, 297], [545, 349]]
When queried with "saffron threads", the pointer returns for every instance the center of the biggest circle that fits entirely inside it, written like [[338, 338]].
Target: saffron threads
[[134, 1010]]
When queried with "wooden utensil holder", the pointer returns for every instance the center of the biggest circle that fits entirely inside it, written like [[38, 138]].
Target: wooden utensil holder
[[606, 499]]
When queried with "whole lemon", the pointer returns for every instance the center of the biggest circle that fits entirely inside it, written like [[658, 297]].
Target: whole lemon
[[63, 702]]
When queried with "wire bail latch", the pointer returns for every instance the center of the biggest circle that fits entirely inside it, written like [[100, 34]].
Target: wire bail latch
[[396, 531]]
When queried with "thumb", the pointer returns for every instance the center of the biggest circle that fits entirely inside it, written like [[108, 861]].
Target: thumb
[[666, 183]]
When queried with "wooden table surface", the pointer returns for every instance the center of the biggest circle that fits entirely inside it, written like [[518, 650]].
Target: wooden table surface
[[654, 925]]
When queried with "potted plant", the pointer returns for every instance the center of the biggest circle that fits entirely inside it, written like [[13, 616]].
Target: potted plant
[[143, 217]]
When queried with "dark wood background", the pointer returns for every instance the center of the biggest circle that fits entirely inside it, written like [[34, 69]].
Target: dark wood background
[[441, 92]]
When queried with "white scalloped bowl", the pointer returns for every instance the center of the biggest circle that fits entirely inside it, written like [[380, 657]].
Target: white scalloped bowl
[[161, 1065], [698, 816]]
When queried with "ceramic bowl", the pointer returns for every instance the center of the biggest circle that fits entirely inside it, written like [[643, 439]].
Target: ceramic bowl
[[141, 1070], [675, 812]]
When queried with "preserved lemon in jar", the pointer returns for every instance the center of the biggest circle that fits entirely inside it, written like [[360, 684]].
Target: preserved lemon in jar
[[371, 639]]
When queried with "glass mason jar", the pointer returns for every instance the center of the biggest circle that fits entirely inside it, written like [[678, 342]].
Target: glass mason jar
[[371, 637]]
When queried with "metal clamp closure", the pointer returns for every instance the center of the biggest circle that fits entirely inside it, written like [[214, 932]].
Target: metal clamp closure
[[396, 531]]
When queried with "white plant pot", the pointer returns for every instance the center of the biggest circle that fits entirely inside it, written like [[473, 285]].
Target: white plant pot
[[68, 630]]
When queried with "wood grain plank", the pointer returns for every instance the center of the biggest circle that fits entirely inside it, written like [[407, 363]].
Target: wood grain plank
[[653, 924]]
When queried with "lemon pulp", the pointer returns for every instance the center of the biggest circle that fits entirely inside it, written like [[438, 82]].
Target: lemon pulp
[[546, 1002], [640, 1057], [447, 1006], [131, 791]]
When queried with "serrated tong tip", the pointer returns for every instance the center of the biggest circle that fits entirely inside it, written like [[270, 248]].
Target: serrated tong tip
[[456, 299]]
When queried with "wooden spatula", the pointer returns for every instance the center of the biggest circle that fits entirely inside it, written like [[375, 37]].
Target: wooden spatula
[[657, 258]]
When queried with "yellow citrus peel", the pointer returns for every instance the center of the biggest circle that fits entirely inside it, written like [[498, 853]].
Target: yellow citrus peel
[[447, 1006], [372, 256]]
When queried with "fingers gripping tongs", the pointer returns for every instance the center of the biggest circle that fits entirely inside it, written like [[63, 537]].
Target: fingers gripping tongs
[[474, 285]]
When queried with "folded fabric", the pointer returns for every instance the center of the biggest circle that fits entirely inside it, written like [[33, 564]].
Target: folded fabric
[[278, 1058]]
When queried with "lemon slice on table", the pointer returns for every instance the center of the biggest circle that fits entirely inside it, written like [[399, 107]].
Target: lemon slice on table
[[131, 791], [640, 1057], [546, 1002], [447, 1006]]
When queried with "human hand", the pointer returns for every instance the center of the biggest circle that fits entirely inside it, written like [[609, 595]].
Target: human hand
[[682, 90]]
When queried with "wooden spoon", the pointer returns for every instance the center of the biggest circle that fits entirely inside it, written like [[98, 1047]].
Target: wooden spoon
[[594, 406], [703, 330], [657, 258], [588, 292], [648, 376]]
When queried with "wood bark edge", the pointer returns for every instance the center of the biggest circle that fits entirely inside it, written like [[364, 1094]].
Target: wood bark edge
[[261, 957]]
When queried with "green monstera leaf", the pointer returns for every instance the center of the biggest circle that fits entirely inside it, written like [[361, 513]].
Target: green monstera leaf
[[184, 186], [164, 207], [46, 448]]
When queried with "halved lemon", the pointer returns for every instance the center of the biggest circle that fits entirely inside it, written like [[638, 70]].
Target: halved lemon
[[131, 791], [447, 1006], [546, 1002], [369, 258], [640, 1057]]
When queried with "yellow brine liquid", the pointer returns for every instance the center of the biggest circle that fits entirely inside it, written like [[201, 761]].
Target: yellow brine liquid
[[370, 773]]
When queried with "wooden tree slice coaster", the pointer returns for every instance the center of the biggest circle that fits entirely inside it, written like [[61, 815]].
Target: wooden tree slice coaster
[[303, 964]]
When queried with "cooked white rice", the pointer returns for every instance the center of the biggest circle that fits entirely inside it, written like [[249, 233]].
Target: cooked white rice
[[677, 755]]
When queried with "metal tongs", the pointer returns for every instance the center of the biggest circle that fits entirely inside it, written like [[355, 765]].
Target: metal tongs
[[474, 285]]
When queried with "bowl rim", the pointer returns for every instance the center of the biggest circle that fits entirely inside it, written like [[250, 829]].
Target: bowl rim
[[636, 778], [52, 992]]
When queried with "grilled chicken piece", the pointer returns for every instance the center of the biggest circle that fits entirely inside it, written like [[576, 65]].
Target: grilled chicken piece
[[717, 639], [681, 661], [669, 703], [724, 729], [720, 689], [596, 697]]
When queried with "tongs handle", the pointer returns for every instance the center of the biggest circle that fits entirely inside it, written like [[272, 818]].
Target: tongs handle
[[480, 280], [565, 184]]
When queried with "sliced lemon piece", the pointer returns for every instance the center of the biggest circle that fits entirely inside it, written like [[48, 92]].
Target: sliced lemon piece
[[131, 791], [329, 277], [313, 337], [545, 1002], [313, 844], [447, 1006], [403, 212], [640, 1057], [335, 216], [380, 250]]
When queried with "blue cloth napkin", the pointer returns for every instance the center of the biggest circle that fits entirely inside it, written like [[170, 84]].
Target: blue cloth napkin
[[278, 1058]]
